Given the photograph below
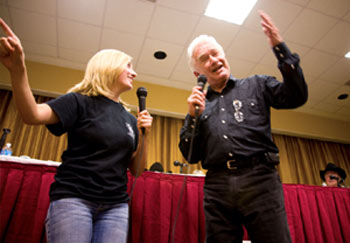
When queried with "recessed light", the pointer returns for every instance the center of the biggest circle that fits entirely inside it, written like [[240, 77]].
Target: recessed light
[[342, 97], [233, 11], [347, 55], [160, 55]]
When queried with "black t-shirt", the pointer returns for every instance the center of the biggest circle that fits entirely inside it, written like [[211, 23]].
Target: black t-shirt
[[102, 136]]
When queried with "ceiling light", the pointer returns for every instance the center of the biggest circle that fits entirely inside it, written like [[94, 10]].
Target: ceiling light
[[347, 55], [233, 11]]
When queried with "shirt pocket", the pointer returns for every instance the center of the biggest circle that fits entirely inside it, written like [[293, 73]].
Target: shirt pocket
[[253, 114]]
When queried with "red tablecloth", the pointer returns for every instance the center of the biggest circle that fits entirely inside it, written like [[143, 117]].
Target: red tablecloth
[[315, 214]]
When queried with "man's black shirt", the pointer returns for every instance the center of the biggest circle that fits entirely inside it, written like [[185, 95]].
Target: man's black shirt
[[237, 120]]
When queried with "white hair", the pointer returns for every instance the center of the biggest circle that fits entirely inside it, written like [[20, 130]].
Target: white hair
[[193, 45]]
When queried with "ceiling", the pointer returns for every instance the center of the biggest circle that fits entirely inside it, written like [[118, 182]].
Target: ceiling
[[68, 32]]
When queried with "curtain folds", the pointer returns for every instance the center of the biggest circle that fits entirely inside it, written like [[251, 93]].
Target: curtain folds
[[301, 158]]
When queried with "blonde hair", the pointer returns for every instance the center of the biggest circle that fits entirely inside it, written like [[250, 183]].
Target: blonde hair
[[102, 70], [193, 45]]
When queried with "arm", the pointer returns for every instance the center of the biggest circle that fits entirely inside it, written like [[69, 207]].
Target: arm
[[293, 91], [144, 120], [12, 57]]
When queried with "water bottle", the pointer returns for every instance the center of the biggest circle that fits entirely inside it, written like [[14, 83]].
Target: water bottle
[[6, 150]]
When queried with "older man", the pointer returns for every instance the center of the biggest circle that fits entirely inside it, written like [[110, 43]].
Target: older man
[[228, 129]]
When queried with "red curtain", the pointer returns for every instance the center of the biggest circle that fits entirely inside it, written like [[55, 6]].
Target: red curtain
[[315, 214]]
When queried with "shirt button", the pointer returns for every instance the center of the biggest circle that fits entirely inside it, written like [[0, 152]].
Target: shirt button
[[205, 116], [277, 48], [192, 126], [225, 137], [281, 55], [223, 121], [186, 140], [230, 154], [222, 96], [223, 109], [252, 104]]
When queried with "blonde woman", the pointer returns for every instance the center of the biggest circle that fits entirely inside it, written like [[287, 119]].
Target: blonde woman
[[88, 199]]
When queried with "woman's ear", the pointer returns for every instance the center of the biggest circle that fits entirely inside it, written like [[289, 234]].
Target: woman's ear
[[196, 74]]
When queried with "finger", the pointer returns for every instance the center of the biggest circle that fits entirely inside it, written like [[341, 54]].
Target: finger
[[6, 28], [5, 45]]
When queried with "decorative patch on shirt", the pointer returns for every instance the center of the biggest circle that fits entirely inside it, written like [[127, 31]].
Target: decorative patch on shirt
[[131, 131], [237, 104]]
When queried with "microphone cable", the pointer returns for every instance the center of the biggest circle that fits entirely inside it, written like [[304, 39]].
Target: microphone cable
[[185, 177]]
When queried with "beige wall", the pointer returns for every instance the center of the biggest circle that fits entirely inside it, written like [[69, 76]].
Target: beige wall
[[52, 81]]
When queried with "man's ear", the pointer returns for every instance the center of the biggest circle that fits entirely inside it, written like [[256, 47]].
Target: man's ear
[[196, 74]]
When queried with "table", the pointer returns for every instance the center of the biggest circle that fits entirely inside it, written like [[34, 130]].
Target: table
[[315, 214]]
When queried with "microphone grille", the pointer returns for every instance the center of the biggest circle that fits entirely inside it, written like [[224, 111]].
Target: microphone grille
[[141, 91], [201, 80]]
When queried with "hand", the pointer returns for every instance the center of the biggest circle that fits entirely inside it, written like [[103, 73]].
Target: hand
[[11, 51], [270, 29], [144, 120], [196, 99]]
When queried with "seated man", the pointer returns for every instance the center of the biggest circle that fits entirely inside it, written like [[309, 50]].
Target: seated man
[[333, 175]]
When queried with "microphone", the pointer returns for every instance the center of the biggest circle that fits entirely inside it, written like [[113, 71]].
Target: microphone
[[142, 94], [201, 81]]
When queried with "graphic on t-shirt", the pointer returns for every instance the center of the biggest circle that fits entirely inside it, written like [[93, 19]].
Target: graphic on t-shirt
[[131, 132]]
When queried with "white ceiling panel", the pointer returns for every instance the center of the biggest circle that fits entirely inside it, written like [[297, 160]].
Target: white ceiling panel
[[147, 64], [78, 36], [316, 62], [240, 68], [320, 90], [347, 17], [77, 56], [182, 71], [333, 97], [339, 73], [39, 49], [40, 6], [85, 11], [34, 27], [309, 27], [5, 15], [249, 45], [172, 26], [131, 16], [337, 40], [266, 70], [193, 6], [281, 12], [222, 31], [334, 8], [128, 43]]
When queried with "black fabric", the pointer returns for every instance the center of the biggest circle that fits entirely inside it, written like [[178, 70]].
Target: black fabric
[[102, 136], [218, 132], [252, 197]]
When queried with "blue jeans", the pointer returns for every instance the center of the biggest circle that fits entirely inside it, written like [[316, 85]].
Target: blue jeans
[[77, 220]]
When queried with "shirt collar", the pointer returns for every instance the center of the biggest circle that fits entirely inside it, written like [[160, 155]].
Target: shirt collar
[[230, 84]]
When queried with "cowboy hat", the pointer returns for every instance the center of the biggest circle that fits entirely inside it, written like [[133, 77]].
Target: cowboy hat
[[333, 167]]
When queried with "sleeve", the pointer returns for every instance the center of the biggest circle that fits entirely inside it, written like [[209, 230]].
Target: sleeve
[[293, 91], [66, 108], [190, 149]]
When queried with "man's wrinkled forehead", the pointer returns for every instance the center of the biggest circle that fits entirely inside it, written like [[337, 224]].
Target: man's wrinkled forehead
[[204, 48]]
